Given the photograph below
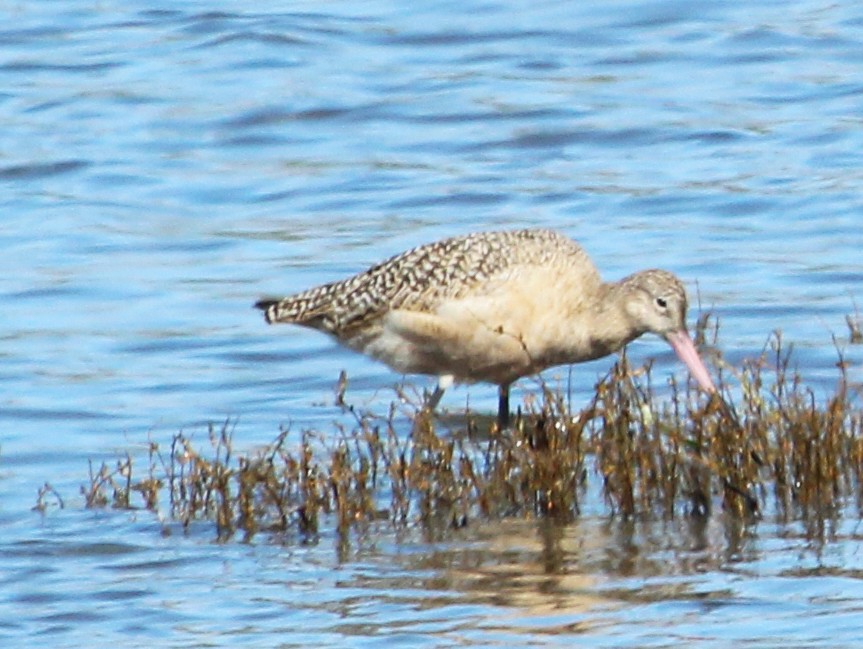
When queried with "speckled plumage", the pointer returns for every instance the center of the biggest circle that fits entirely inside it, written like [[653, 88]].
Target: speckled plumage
[[419, 278], [492, 306]]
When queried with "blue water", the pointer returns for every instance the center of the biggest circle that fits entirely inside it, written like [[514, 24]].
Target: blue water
[[162, 166]]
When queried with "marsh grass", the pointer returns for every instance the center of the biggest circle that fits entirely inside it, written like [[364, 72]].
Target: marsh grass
[[664, 452]]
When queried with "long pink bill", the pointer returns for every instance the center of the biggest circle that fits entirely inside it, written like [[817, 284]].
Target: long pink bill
[[685, 350]]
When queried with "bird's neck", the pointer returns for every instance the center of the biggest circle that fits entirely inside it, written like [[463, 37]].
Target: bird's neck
[[613, 326]]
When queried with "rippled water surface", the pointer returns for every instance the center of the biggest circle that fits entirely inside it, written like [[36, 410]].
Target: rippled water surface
[[162, 166]]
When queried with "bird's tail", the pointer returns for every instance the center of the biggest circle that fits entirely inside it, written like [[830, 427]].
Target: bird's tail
[[316, 307], [270, 307], [309, 308]]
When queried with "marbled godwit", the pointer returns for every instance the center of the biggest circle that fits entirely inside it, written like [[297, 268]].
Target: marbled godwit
[[493, 307]]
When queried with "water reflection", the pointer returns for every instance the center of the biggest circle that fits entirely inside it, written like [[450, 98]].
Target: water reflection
[[583, 580], [536, 568]]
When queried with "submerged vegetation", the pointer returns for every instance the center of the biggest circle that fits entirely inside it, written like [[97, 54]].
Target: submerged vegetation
[[768, 443]]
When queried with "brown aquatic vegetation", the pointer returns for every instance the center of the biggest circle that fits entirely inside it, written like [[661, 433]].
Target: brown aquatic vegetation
[[769, 443], [855, 333]]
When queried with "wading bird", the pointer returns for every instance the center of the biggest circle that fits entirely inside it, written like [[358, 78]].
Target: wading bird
[[493, 307]]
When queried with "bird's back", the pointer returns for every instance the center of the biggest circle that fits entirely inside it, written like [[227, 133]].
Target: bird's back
[[422, 277]]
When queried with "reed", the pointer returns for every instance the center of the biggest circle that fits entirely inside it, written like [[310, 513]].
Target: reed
[[765, 442]]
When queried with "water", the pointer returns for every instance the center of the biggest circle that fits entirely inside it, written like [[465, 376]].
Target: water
[[163, 166]]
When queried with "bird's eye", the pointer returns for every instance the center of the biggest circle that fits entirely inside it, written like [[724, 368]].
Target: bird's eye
[[661, 302]]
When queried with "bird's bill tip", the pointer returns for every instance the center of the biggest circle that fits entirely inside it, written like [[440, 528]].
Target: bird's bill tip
[[686, 352]]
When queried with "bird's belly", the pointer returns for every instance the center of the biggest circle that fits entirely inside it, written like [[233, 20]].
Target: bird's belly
[[469, 350]]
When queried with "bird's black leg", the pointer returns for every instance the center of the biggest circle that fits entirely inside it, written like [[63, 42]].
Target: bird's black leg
[[503, 407]]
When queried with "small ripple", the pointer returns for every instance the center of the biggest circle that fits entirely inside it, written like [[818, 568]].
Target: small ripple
[[35, 66], [42, 549], [459, 198], [21, 36], [484, 117], [120, 594], [274, 116], [713, 137], [848, 277], [45, 293], [161, 13], [453, 37], [208, 22], [41, 170], [59, 414], [556, 138], [745, 207], [265, 38]]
